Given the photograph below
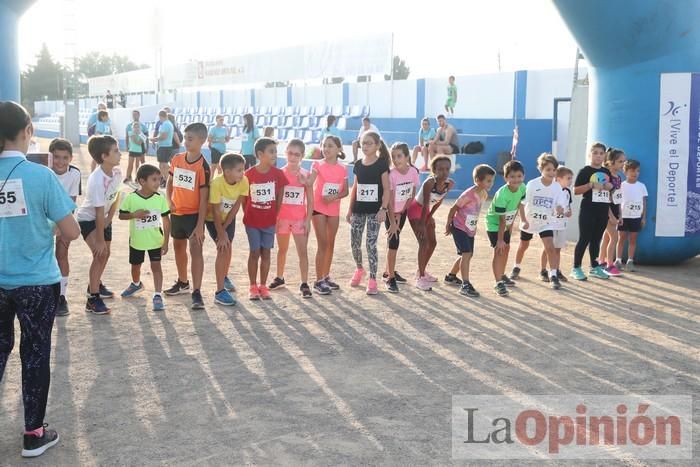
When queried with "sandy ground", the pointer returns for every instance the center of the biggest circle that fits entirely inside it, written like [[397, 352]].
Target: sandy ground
[[344, 379]]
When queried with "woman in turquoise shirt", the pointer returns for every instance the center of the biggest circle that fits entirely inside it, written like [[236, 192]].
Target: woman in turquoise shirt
[[248, 136], [33, 203], [425, 136], [330, 128]]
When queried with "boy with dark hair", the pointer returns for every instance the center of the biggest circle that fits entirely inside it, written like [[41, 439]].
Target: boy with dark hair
[[149, 230], [499, 221], [69, 176], [96, 214], [267, 184], [187, 193], [226, 193]]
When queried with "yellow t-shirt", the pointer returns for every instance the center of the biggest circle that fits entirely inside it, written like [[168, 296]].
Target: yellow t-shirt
[[225, 195]]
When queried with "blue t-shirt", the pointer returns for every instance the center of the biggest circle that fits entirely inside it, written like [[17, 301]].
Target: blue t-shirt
[[167, 128], [248, 142], [218, 137], [426, 135], [92, 120], [38, 201], [330, 131], [103, 128]]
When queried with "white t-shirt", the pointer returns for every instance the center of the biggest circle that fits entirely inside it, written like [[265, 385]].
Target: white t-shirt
[[561, 222], [633, 195], [71, 181], [371, 128], [540, 205], [102, 191]]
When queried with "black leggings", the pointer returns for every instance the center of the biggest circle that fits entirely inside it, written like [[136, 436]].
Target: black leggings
[[591, 227], [35, 307], [393, 242]]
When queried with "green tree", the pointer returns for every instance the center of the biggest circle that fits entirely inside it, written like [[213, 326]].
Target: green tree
[[94, 64], [401, 70], [42, 80]]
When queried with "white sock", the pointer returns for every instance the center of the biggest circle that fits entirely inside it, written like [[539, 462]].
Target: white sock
[[157, 294], [136, 283], [64, 285], [552, 273], [630, 260], [516, 265]]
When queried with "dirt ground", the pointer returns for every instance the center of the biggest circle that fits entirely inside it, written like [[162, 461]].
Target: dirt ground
[[344, 379]]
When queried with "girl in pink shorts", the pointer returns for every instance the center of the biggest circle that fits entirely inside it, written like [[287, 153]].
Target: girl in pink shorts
[[294, 217]]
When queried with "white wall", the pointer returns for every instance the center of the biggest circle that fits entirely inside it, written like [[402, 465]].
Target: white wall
[[478, 96], [236, 97], [334, 94], [270, 97], [358, 94], [543, 86], [187, 99], [209, 99]]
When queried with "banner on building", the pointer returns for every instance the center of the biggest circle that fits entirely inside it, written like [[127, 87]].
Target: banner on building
[[678, 199]]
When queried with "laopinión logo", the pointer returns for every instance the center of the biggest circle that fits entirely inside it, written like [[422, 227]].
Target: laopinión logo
[[572, 427]]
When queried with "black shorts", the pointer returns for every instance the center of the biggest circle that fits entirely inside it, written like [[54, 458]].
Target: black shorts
[[137, 256], [211, 228], [182, 227], [630, 225], [86, 228], [250, 160], [615, 209], [135, 154], [393, 242], [493, 237], [463, 241], [164, 154], [215, 156], [526, 237]]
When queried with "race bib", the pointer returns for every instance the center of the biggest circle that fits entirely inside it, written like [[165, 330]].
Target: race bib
[[226, 205], [617, 197], [367, 193], [183, 178], [510, 217], [403, 192], [293, 195], [601, 196], [151, 221], [538, 217], [331, 189], [12, 203], [262, 192], [632, 210], [471, 222]]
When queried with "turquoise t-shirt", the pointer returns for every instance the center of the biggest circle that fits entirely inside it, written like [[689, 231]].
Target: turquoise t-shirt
[[34, 200], [248, 142], [167, 128], [92, 120], [103, 128], [330, 131], [426, 135], [218, 137], [134, 147]]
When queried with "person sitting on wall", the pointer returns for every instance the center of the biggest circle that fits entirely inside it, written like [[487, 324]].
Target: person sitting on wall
[[366, 126], [446, 139]]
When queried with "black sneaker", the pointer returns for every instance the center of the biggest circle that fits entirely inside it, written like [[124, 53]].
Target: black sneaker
[[507, 281], [305, 290], [197, 302], [35, 446], [331, 285], [501, 289], [399, 279], [515, 273], [322, 288], [556, 285], [277, 283], [452, 279], [544, 275], [62, 309], [178, 288], [391, 285], [469, 290], [96, 306], [561, 276]]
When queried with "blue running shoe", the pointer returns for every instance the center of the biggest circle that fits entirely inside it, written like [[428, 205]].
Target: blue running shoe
[[228, 285], [578, 274], [132, 290], [223, 297], [158, 304]]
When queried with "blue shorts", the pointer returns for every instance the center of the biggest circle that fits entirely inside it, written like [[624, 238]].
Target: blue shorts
[[463, 241], [260, 238]]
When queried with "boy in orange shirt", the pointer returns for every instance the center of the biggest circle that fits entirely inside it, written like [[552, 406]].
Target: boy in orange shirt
[[188, 194]]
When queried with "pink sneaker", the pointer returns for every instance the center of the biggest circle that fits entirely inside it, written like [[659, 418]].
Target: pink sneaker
[[423, 284], [357, 277], [429, 277], [613, 271], [372, 287]]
